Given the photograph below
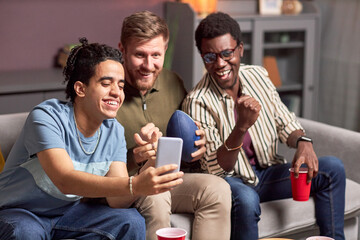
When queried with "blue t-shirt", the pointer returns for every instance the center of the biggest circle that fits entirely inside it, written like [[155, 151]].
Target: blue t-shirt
[[51, 124]]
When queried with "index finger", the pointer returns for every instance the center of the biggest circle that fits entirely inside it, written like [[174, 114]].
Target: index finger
[[197, 123], [138, 140], [242, 98], [198, 154], [201, 141], [147, 131], [297, 164]]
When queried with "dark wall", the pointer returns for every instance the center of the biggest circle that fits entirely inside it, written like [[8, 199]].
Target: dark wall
[[32, 31]]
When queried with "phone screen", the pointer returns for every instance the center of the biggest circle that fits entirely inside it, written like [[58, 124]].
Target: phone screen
[[169, 152]]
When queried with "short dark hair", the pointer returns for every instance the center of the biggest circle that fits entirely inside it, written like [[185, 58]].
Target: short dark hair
[[217, 24], [81, 63]]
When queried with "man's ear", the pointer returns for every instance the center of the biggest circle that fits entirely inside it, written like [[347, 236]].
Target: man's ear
[[80, 88], [121, 48], [241, 49]]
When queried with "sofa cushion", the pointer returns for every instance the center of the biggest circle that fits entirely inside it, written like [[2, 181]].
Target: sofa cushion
[[10, 125], [288, 216], [284, 217]]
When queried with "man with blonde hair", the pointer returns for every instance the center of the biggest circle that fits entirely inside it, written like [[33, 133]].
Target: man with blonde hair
[[152, 95]]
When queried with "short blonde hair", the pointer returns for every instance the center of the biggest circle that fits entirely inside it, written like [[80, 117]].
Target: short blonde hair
[[143, 26]]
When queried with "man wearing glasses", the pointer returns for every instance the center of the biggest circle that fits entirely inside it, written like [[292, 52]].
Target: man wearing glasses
[[244, 119]]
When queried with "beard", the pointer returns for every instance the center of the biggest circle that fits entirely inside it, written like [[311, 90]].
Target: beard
[[143, 84], [134, 77]]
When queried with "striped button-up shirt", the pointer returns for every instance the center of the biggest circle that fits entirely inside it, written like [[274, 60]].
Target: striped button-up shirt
[[214, 109]]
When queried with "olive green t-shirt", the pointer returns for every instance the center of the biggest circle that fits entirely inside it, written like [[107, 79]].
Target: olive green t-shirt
[[156, 106]]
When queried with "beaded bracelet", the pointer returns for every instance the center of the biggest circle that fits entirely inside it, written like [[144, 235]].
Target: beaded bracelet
[[130, 185], [232, 149]]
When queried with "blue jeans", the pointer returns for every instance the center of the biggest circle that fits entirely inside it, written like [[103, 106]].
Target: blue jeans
[[328, 190], [82, 221]]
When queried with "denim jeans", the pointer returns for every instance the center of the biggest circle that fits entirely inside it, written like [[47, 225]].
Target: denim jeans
[[327, 188], [82, 221]]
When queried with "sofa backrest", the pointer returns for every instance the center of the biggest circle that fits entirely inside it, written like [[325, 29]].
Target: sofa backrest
[[10, 128]]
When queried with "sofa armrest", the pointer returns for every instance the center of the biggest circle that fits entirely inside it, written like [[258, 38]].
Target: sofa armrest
[[10, 127], [331, 140]]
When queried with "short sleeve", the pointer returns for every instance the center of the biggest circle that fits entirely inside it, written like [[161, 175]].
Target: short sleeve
[[42, 132], [116, 142]]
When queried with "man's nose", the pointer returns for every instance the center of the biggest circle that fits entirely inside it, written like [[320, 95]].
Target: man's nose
[[115, 90], [148, 63], [219, 61]]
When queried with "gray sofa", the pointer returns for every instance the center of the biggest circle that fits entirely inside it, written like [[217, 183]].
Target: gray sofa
[[282, 218]]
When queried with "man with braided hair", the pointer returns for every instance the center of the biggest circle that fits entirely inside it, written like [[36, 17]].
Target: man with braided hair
[[70, 150]]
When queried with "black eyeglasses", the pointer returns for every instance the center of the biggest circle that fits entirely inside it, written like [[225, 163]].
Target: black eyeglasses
[[226, 55]]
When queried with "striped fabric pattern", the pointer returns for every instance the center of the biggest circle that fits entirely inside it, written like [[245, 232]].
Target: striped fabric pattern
[[214, 109]]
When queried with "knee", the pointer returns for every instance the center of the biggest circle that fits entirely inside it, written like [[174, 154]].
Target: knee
[[22, 224], [215, 191], [244, 198], [136, 221], [155, 206], [332, 166], [134, 226], [20, 230], [248, 200]]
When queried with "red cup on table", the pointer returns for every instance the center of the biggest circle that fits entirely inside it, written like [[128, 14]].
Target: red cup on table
[[319, 238], [299, 186], [171, 234]]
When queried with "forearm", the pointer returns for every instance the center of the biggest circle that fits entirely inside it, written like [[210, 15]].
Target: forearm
[[115, 189], [126, 201], [227, 157], [59, 168], [90, 185]]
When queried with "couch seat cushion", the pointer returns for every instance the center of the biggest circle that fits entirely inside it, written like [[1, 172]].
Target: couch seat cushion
[[287, 216]]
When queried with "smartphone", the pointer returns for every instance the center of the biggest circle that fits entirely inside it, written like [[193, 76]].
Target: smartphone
[[169, 151]]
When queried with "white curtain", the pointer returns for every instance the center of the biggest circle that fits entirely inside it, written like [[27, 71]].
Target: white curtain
[[339, 83]]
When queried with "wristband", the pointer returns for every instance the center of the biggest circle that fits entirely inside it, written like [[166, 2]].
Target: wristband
[[232, 149], [303, 138], [131, 186]]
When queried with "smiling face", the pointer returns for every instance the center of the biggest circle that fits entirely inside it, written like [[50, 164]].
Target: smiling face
[[225, 72], [143, 61], [104, 94]]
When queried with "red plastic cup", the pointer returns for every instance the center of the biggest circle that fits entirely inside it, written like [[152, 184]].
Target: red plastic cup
[[300, 188], [171, 234], [319, 238]]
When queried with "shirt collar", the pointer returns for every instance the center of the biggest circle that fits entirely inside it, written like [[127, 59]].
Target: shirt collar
[[221, 93]]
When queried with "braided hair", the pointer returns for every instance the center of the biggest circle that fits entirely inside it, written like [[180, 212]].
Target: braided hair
[[81, 63]]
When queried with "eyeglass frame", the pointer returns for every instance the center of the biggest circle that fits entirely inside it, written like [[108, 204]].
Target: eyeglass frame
[[220, 54]]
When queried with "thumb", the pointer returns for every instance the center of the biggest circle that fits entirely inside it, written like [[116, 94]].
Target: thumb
[[139, 140]]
